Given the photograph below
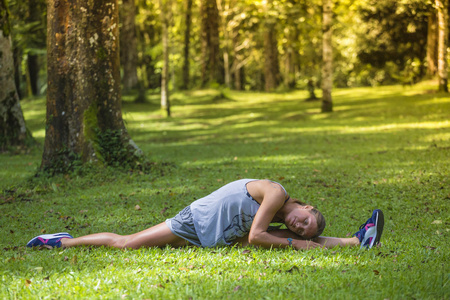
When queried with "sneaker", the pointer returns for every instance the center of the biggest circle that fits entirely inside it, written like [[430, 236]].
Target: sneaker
[[53, 240], [369, 233]]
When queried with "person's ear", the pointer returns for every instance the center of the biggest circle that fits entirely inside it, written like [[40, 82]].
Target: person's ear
[[308, 207]]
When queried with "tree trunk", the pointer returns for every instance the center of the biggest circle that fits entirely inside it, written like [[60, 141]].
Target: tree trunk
[[211, 68], [442, 18], [237, 68], [432, 42], [33, 60], [187, 39], [84, 119], [33, 71], [13, 131], [128, 42], [226, 15], [327, 67], [17, 56], [271, 64], [165, 16]]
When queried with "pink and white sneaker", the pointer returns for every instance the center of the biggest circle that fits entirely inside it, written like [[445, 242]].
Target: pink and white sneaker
[[369, 233], [53, 240]]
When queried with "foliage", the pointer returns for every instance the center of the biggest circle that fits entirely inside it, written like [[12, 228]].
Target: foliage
[[375, 42], [395, 32], [383, 147], [29, 32]]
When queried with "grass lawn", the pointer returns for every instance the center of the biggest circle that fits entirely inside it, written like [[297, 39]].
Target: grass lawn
[[385, 147]]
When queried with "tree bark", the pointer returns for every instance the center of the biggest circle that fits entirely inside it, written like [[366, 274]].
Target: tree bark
[[33, 59], [432, 42], [84, 119], [327, 66], [13, 131], [165, 17], [187, 40], [442, 19], [17, 56], [128, 41], [211, 65], [271, 63]]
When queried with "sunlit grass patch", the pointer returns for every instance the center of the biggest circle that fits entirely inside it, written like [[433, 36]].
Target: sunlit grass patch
[[385, 147]]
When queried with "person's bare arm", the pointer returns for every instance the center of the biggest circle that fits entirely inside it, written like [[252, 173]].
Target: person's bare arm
[[272, 198]]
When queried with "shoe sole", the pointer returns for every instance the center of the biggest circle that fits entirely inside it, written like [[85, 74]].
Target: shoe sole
[[380, 225]]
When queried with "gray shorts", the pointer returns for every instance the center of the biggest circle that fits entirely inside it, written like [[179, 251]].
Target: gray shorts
[[182, 225]]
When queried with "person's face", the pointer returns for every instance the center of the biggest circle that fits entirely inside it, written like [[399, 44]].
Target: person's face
[[302, 222]]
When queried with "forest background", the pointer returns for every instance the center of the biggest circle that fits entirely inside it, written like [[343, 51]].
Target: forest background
[[226, 42]]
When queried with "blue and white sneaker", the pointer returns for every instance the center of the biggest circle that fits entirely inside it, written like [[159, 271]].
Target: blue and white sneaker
[[53, 240], [369, 233]]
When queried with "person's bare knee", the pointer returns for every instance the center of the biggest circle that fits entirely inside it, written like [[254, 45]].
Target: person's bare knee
[[119, 241]]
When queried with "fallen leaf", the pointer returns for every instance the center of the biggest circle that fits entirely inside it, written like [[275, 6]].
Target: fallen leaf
[[74, 260], [237, 288], [137, 207], [27, 282], [437, 222], [246, 251], [376, 272]]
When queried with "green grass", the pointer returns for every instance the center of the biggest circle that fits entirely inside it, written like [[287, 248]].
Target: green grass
[[385, 147]]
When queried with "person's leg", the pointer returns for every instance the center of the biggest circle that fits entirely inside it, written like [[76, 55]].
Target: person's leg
[[156, 236]]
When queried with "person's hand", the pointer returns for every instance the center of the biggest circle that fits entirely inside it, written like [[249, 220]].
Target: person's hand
[[305, 244]]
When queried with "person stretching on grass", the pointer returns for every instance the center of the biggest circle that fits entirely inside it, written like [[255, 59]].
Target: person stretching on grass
[[239, 212]]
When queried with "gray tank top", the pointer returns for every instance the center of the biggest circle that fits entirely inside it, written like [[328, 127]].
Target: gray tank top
[[225, 214]]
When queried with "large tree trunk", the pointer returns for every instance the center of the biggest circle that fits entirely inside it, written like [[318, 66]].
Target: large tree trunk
[[84, 119], [442, 17], [13, 131], [211, 65], [128, 41], [187, 39], [327, 67], [432, 42], [271, 64], [165, 17]]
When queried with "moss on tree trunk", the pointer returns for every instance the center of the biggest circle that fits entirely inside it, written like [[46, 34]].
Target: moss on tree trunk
[[83, 96]]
